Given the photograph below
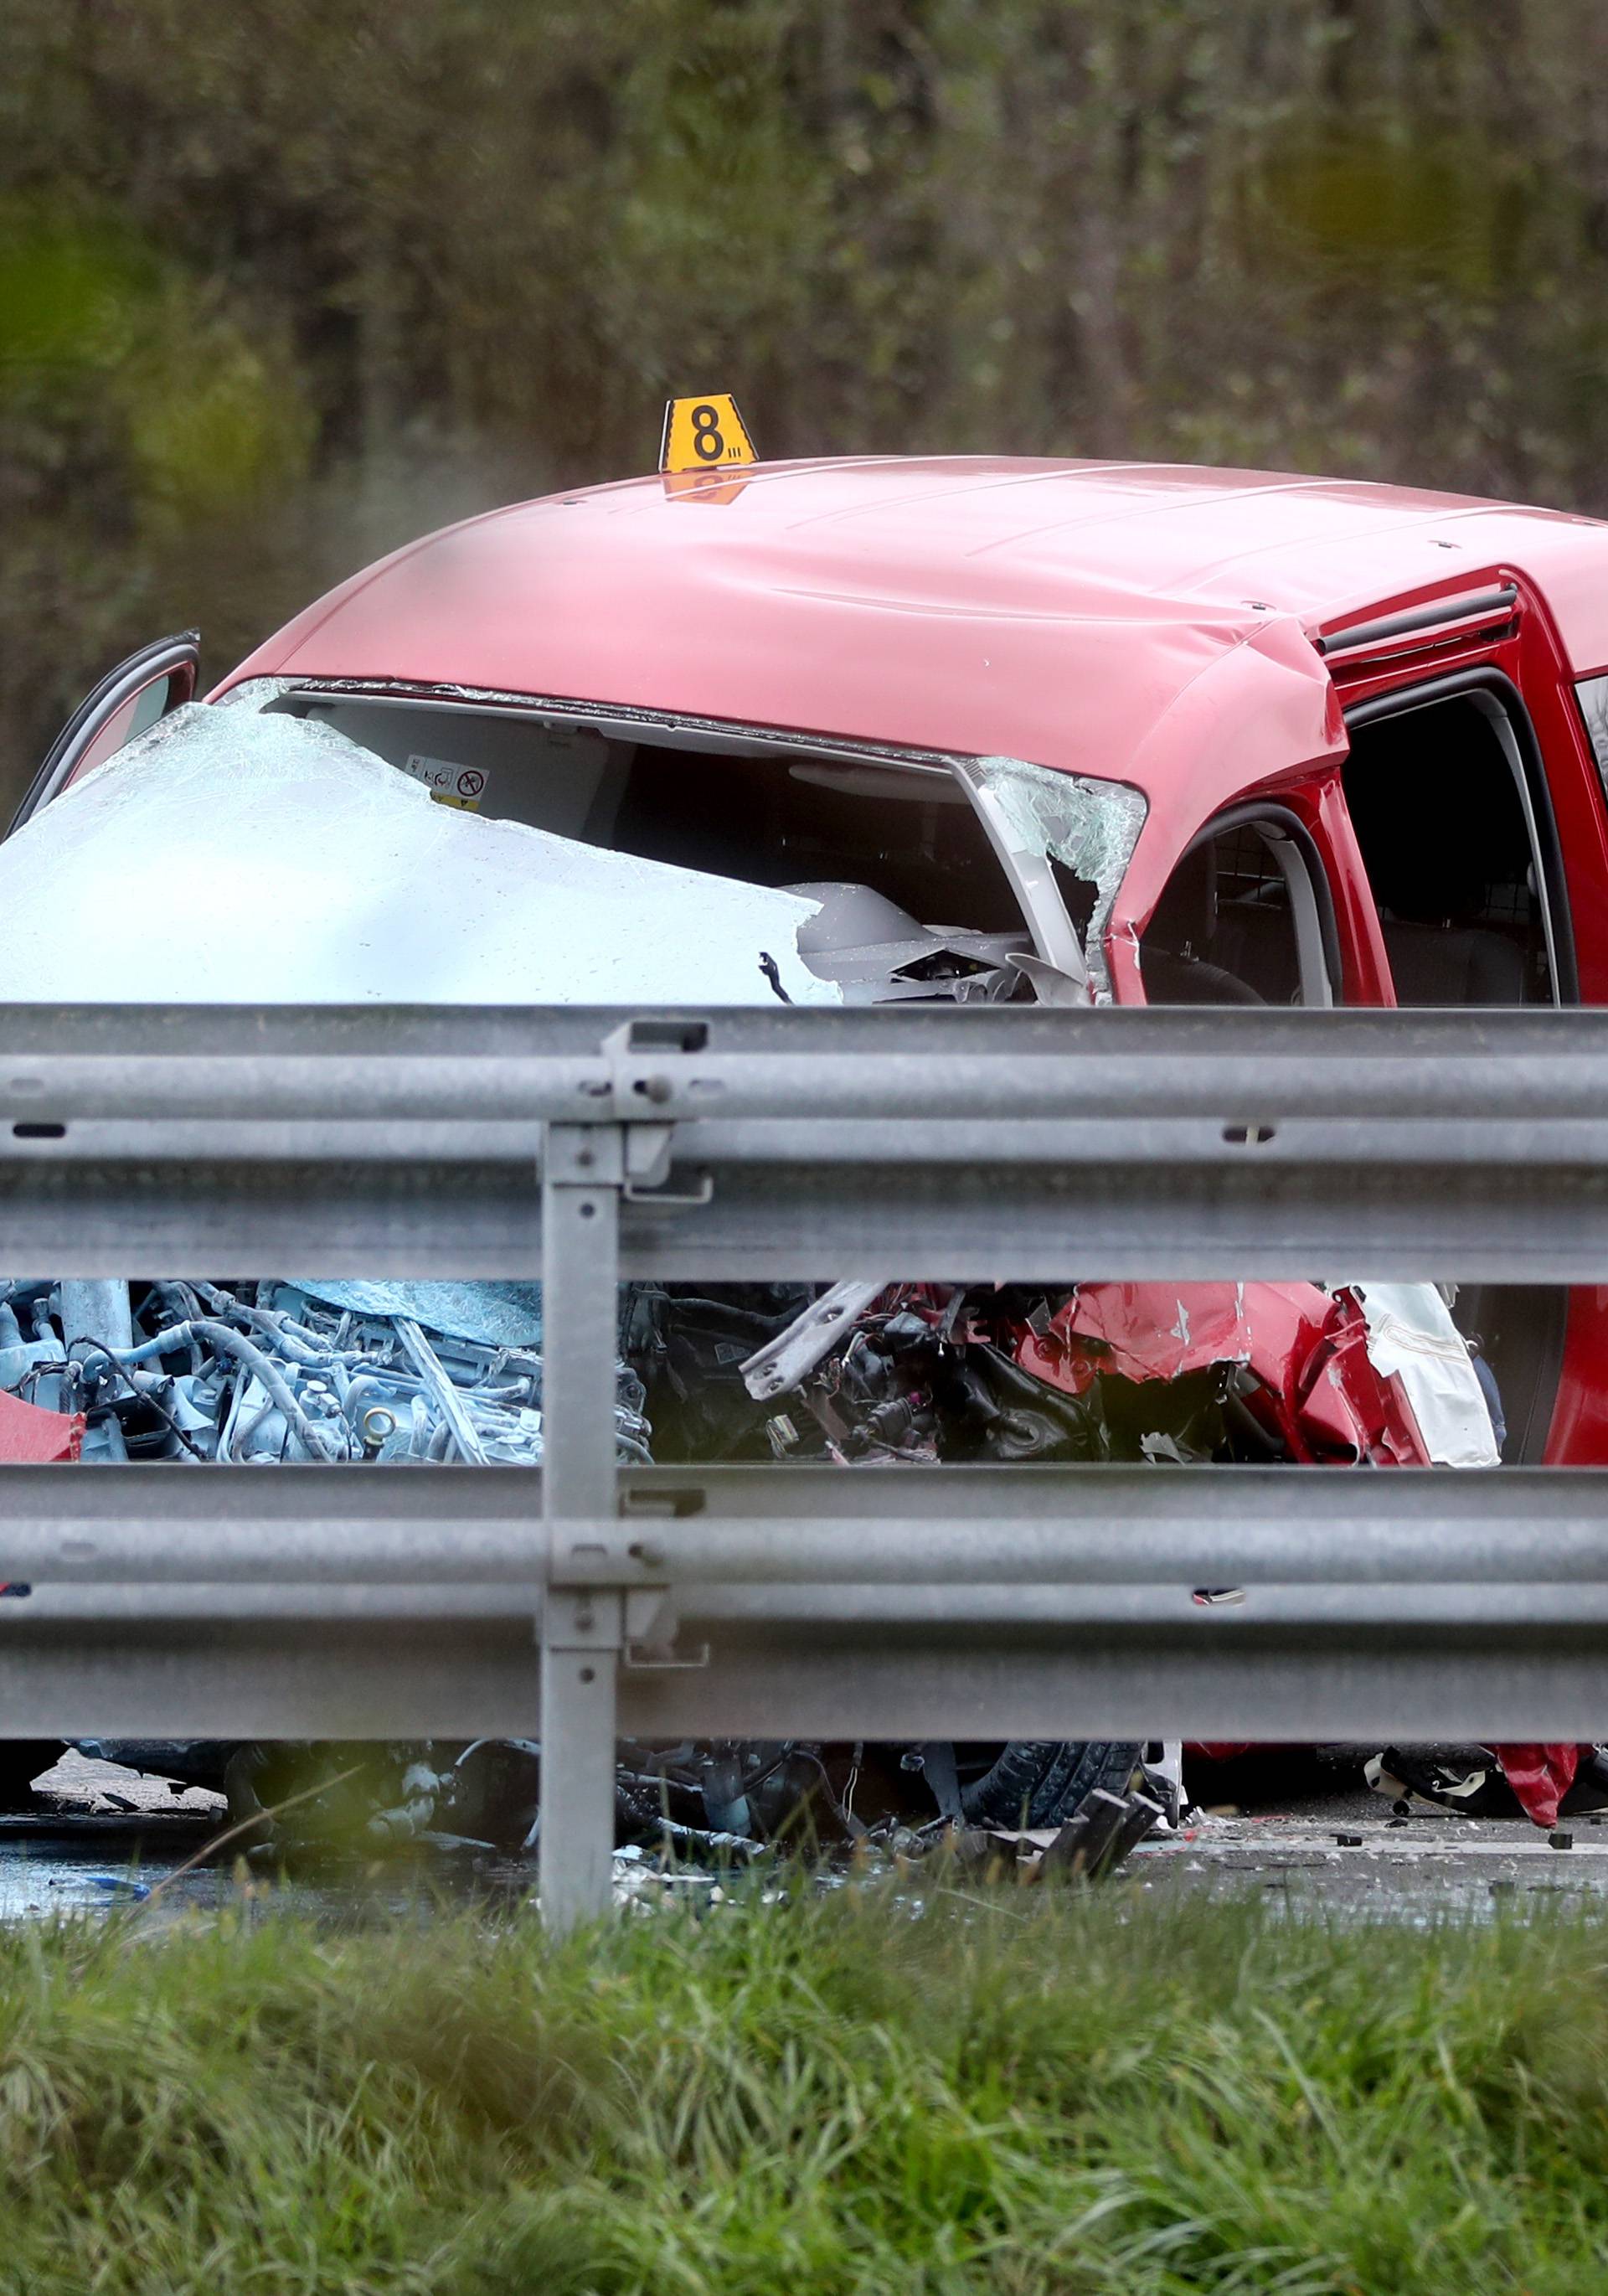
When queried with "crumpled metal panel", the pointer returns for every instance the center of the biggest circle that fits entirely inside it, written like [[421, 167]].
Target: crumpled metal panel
[[1048, 610], [1264, 712], [1308, 1351], [32, 1437], [1161, 1331]]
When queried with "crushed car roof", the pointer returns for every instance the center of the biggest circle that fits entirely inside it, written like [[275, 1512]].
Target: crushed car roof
[[1097, 617]]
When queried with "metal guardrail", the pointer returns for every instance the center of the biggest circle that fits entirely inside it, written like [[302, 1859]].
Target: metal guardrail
[[740, 1602]]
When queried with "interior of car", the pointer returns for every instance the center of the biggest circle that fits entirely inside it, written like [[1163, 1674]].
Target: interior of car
[[1438, 799], [1236, 924], [916, 902], [1445, 821]]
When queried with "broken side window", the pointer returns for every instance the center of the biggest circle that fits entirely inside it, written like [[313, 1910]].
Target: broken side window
[[1593, 695], [1078, 834]]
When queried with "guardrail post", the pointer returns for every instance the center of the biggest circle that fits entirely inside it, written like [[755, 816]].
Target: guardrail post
[[582, 1629]]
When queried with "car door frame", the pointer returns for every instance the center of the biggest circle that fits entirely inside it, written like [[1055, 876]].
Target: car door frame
[[1534, 786], [1565, 1341], [1318, 946], [176, 658]]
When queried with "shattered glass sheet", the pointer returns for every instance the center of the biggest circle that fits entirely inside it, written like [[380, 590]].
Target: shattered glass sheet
[[496, 1315], [1090, 827], [226, 858]]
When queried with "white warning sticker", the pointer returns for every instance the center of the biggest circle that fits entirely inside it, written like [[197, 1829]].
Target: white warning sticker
[[447, 782]]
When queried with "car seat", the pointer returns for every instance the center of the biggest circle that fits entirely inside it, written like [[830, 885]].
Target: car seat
[[1453, 964]]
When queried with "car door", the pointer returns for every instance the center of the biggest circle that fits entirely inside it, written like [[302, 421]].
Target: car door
[[1450, 798], [129, 700]]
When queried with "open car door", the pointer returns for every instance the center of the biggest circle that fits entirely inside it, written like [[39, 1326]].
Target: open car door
[[128, 699]]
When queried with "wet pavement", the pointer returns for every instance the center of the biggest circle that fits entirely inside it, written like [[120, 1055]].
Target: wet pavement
[[1423, 1867], [105, 1837], [74, 1865], [1305, 1831]]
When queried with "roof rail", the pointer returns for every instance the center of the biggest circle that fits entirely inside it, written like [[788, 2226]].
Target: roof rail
[[1449, 617]]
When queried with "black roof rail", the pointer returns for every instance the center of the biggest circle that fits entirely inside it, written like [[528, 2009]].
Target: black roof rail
[[1474, 606]]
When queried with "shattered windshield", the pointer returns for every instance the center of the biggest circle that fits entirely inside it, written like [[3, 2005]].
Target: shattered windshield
[[317, 845], [230, 857]]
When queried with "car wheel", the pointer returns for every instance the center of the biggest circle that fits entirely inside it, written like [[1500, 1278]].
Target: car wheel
[[1034, 1781]]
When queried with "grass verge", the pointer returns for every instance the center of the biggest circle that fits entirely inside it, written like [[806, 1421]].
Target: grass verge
[[826, 2096]]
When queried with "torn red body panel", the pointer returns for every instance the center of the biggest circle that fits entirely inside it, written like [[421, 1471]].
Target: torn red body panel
[[1314, 1386], [1540, 1776], [32, 1437]]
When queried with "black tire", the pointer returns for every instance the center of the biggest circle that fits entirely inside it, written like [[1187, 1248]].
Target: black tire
[[21, 1761], [1036, 1782]]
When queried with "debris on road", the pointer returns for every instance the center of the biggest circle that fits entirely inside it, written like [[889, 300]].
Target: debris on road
[[1539, 1782], [341, 1371]]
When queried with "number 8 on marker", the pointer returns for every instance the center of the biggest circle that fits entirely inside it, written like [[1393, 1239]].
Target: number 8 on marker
[[707, 442]]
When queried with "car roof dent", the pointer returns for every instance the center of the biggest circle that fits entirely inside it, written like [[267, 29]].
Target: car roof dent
[[1063, 614], [1265, 714]]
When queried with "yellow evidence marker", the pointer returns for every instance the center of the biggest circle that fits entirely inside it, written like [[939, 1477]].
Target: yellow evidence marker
[[704, 434]]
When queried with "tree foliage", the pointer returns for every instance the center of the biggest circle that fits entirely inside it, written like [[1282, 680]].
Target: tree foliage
[[284, 282]]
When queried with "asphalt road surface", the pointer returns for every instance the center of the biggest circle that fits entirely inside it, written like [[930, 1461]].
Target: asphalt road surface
[[1310, 1836]]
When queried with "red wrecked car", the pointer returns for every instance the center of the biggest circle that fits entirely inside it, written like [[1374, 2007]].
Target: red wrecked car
[[882, 729]]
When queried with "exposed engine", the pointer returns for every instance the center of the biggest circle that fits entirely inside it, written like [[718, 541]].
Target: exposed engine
[[263, 1373]]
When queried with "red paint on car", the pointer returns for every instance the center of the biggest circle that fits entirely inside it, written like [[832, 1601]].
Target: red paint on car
[[32, 1437]]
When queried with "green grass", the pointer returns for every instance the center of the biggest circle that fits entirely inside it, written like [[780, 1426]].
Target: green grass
[[1094, 2099]]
